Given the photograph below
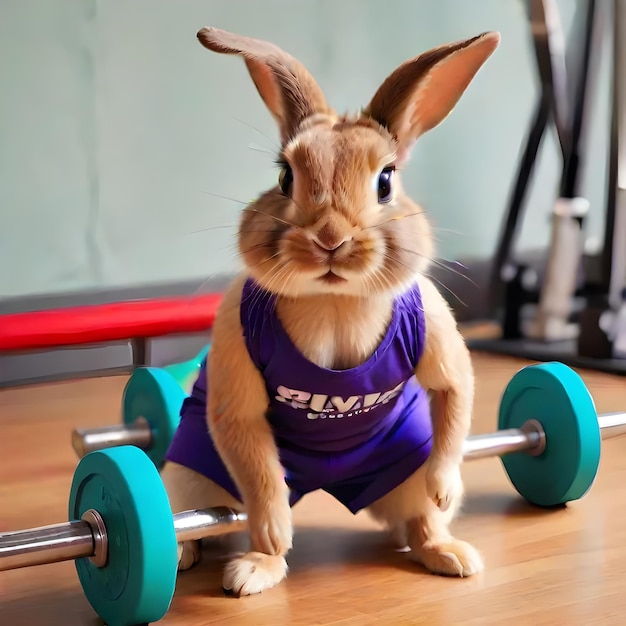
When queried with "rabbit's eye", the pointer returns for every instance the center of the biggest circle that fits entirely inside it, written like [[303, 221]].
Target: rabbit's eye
[[285, 179], [385, 188]]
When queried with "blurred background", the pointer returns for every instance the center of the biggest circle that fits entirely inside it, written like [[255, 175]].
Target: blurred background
[[127, 151], [119, 132]]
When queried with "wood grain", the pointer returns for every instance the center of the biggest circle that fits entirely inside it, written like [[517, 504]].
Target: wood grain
[[566, 566]]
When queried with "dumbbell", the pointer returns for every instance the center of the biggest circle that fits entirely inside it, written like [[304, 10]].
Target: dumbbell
[[151, 404], [123, 536]]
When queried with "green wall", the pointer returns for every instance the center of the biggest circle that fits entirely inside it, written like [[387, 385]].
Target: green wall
[[116, 127]]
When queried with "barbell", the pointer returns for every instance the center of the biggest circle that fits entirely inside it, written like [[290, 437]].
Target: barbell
[[123, 536], [151, 404], [547, 475]]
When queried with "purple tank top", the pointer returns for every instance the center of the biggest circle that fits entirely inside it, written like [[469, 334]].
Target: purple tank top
[[355, 433]]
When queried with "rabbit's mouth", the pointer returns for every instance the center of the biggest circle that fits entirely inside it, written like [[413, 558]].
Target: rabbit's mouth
[[330, 278]]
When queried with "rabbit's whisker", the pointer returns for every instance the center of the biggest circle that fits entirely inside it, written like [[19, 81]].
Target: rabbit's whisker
[[217, 195], [209, 228], [255, 148], [395, 218], [254, 128], [396, 260], [441, 265], [278, 219]]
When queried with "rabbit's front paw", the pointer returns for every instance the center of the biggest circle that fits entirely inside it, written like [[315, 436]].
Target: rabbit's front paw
[[253, 573], [188, 554], [270, 527], [443, 482]]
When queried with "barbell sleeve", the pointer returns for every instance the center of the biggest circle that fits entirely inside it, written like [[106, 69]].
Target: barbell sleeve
[[612, 424], [201, 523], [530, 438], [138, 433], [87, 538], [46, 544]]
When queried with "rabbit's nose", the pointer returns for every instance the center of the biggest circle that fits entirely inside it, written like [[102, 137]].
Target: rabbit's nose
[[329, 247], [329, 237]]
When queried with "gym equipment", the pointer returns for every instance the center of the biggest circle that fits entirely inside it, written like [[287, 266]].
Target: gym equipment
[[142, 323], [572, 307], [123, 536], [150, 410], [563, 413]]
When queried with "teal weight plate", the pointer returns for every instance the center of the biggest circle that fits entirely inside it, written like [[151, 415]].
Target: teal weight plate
[[137, 584], [152, 393], [556, 396], [157, 395]]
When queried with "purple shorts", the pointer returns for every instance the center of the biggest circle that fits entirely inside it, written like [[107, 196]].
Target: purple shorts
[[356, 477]]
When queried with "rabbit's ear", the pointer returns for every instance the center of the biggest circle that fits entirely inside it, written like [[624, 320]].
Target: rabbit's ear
[[422, 92], [287, 88]]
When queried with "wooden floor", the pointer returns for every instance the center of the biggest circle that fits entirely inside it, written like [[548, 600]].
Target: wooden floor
[[562, 567]]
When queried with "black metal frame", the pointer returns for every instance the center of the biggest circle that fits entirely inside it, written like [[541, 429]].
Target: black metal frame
[[552, 106], [564, 102]]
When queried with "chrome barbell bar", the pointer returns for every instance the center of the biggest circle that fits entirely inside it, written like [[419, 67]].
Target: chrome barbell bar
[[529, 438], [87, 537]]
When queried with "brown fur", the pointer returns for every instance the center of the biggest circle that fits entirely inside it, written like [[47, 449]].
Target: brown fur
[[337, 258]]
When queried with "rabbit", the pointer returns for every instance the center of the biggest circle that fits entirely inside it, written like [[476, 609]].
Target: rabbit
[[335, 362]]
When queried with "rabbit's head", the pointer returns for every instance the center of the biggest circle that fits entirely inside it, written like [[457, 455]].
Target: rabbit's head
[[338, 221]]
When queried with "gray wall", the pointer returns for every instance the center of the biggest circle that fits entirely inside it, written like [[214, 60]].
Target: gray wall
[[116, 126]]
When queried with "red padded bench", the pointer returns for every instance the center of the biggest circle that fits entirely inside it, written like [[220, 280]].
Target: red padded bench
[[134, 320]]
